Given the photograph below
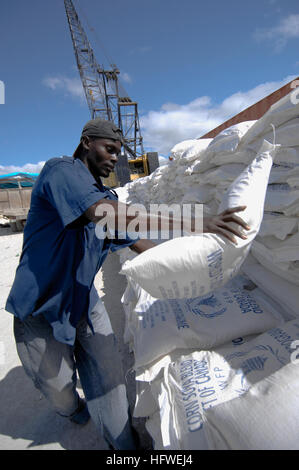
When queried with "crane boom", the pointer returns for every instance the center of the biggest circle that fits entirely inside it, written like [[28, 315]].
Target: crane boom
[[101, 87]]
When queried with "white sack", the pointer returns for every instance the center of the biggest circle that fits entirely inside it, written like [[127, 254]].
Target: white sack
[[281, 174], [278, 225], [288, 156], [224, 148], [266, 418], [227, 173], [286, 135], [228, 140], [293, 181], [280, 196], [199, 193], [285, 293], [123, 194], [145, 404], [196, 265], [279, 113], [205, 379], [292, 210], [190, 150], [155, 370], [244, 156], [181, 423], [128, 302], [282, 250], [162, 326], [286, 270], [160, 423]]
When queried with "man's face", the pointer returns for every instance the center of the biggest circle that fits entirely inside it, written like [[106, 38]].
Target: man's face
[[101, 157]]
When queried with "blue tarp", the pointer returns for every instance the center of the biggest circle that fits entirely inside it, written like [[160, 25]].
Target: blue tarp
[[12, 180]]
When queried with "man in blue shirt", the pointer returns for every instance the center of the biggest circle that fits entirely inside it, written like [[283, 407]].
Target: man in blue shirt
[[61, 326]]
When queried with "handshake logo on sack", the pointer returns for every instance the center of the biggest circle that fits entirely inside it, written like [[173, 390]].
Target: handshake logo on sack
[[207, 307]]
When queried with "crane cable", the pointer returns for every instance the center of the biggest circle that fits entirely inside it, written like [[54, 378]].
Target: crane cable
[[122, 90]]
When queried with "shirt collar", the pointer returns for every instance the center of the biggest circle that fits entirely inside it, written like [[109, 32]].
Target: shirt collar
[[96, 182]]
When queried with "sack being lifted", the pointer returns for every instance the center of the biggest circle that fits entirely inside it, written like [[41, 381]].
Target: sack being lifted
[[196, 265]]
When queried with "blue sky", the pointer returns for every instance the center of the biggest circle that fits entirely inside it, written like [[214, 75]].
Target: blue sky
[[190, 66]]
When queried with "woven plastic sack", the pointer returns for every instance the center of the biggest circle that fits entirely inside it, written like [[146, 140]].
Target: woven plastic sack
[[196, 265]]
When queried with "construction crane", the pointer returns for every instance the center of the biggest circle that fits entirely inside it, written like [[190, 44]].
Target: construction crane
[[102, 89]]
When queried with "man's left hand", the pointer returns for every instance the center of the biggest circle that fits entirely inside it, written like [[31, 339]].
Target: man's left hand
[[219, 224]]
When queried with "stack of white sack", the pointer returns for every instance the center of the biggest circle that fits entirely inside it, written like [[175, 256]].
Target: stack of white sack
[[156, 327], [187, 267], [272, 266], [285, 293], [163, 331], [217, 165], [167, 184], [277, 245], [242, 395]]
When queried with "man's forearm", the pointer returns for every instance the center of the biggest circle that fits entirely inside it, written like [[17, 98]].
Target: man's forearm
[[116, 215], [142, 245], [119, 217]]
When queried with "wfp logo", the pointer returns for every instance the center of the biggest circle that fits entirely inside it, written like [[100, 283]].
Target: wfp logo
[[207, 307], [2, 92], [254, 363]]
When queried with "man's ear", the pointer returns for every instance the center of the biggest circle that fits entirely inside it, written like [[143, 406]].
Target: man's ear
[[85, 140]]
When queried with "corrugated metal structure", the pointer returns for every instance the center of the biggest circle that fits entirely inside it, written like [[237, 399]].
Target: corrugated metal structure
[[254, 112]]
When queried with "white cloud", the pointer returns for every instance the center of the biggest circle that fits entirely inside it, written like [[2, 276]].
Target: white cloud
[[164, 128], [173, 123], [125, 77], [28, 167], [71, 86], [287, 29]]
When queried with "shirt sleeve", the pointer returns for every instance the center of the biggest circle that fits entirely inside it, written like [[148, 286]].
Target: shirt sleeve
[[71, 190]]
